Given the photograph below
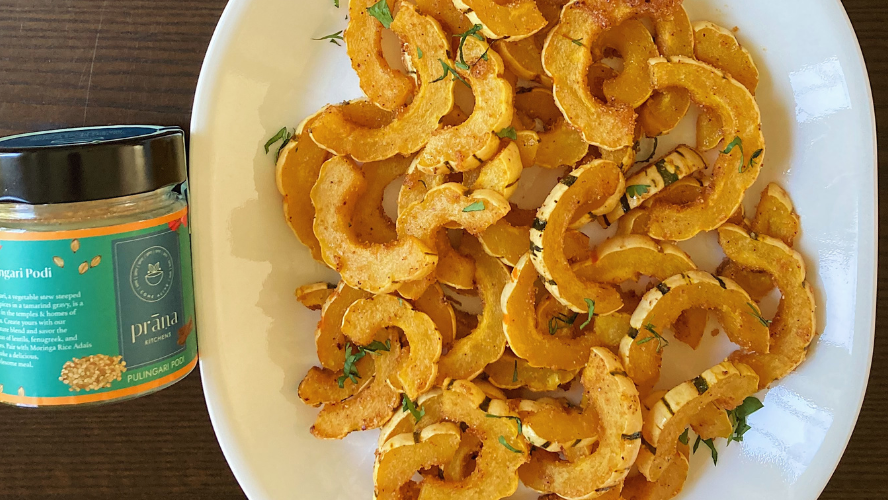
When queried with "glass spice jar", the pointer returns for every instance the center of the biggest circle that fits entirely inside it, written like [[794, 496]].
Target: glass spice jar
[[96, 292]]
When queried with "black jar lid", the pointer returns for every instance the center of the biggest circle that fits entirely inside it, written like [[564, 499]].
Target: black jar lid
[[91, 163]]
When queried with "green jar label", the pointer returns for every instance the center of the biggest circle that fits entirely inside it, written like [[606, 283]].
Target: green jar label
[[96, 314]]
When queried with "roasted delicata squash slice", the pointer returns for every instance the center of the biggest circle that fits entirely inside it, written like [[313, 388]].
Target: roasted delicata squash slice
[[538, 103], [624, 157], [567, 56], [627, 258], [662, 305], [503, 449], [415, 123], [596, 76], [314, 295], [486, 343], [684, 191], [403, 455], [652, 179], [560, 145], [635, 45], [598, 181], [385, 86], [329, 340], [366, 317], [465, 146], [510, 21], [524, 59], [794, 326], [500, 173], [668, 486], [527, 339], [456, 271], [505, 241], [416, 185], [726, 384], [449, 16], [321, 386], [614, 398], [710, 423], [449, 203], [370, 221], [436, 306], [775, 215], [462, 463], [528, 145], [512, 372], [719, 47], [661, 113], [555, 425], [371, 407], [735, 170], [376, 268]]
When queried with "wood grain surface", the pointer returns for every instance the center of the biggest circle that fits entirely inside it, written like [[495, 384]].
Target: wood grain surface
[[67, 63]]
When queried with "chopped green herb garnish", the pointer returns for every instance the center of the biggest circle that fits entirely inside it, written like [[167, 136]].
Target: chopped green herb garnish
[[419, 53], [562, 318], [738, 417], [508, 133], [710, 445], [473, 32], [400, 302], [334, 38], [509, 447], [758, 315], [336, 3], [515, 372], [449, 70], [282, 135], [661, 342], [737, 143], [380, 10], [350, 370], [637, 190], [475, 207], [516, 419], [578, 41], [755, 156], [590, 307], [408, 405], [683, 439]]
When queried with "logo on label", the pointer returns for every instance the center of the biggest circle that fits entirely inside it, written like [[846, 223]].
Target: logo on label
[[152, 274]]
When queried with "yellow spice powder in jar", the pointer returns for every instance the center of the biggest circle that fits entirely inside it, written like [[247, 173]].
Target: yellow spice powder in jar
[[96, 292]]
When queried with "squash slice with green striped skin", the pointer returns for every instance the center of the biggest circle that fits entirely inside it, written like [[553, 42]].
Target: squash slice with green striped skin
[[687, 190], [524, 59], [726, 384], [366, 317], [415, 123], [386, 87], [314, 295], [512, 372], [500, 173], [555, 426], [567, 56], [674, 36], [495, 475], [510, 21], [404, 455], [614, 398], [448, 203], [627, 258], [599, 181], [719, 47], [321, 386], [329, 339], [371, 407], [527, 339], [376, 268], [486, 343], [794, 326], [735, 171], [370, 222], [662, 305], [465, 146], [634, 43], [649, 181]]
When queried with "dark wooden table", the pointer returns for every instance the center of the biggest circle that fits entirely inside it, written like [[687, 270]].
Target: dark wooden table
[[95, 62]]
